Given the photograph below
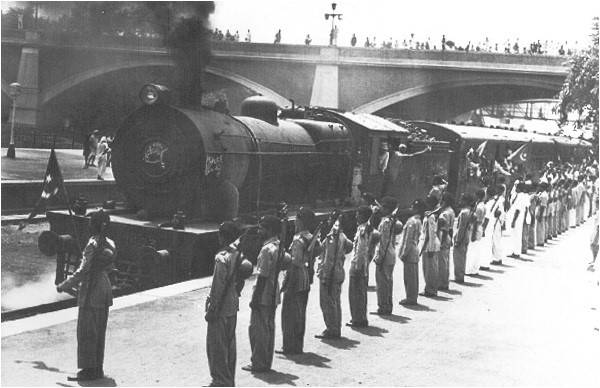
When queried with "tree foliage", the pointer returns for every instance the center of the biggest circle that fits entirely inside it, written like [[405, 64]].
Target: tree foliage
[[580, 90]]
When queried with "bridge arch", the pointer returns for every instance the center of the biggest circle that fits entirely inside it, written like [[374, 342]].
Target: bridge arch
[[76, 79], [403, 95]]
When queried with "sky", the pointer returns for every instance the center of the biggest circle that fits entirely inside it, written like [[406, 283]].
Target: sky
[[459, 20]]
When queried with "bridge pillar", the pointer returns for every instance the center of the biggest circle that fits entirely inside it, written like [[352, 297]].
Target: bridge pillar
[[325, 90], [26, 113]]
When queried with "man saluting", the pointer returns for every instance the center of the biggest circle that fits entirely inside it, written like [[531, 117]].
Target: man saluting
[[265, 297], [222, 306]]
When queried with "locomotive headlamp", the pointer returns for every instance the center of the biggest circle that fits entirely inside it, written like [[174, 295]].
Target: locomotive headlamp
[[153, 93]]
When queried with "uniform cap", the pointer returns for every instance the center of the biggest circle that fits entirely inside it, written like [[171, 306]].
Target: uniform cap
[[270, 223], [307, 216], [229, 230], [99, 219], [365, 212]]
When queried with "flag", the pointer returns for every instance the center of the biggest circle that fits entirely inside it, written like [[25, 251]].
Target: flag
[[500, 169], [556, 150], [520, 155], [53, 186], [481, 148]]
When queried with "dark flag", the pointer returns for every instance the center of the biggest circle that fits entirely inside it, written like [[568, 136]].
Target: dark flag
[[53, 186], [521, 154]]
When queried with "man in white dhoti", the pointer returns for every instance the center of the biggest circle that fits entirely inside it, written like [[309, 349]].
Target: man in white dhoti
[[475, 249], [519, 206]]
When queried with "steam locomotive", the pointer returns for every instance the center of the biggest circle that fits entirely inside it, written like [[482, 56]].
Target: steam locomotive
[[211, 166]]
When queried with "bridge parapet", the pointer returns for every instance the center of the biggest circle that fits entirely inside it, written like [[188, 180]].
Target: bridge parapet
[[268, 49]]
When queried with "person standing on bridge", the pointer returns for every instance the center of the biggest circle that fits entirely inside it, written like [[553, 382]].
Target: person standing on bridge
[[277, 37], [265, 297], [353, 40], [94, 297]]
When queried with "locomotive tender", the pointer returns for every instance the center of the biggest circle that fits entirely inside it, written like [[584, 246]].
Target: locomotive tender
[[213, 166]]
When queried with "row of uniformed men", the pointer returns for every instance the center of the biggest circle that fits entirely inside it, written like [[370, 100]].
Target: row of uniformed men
[[475, 237]]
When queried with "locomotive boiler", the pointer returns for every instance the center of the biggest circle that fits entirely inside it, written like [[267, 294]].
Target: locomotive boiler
[[213, 166]]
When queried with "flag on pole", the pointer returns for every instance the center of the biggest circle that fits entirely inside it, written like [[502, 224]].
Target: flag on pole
[[498, 168], [520, 155], [53, 186], [481, 148]]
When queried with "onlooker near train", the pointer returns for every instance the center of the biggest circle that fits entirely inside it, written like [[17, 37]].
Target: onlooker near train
[[331, 276], [438, 186], [528, 219], [385, 255], [222, 306], [446, 226], [519, 206], [353, 40], [391, 163], [533, 210], [498, 219], [265, 297], [409, 252], [364, 238], [475, 249], [93, 299], [490, 205], [541, 214], [430, 246], [92, 144], [296, 284], [102, 153], [463, 237]]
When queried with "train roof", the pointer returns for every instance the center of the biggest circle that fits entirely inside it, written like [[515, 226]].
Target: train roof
[[469, 132], [371, 122]]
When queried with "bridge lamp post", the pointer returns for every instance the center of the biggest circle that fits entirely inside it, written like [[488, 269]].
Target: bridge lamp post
[[333, 15], [14, 93]]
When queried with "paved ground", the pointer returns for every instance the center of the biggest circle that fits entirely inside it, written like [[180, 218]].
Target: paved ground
[[533, 321], [31, 164]]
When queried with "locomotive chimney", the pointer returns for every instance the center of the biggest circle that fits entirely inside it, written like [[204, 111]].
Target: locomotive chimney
[[185, 26]]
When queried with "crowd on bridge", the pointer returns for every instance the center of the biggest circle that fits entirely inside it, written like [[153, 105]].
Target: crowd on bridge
[[411, 42], [510, 214]]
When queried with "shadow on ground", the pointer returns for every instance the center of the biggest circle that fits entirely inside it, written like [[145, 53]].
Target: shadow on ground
[[275, 377], [308, 358], [480, 276], [418, 307], [372, 331], [340, 343]]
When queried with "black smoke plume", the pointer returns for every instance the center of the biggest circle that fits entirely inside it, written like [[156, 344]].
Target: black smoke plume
[[185, 26]]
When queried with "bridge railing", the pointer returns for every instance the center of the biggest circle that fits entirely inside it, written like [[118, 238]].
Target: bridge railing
[[451, 55]]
